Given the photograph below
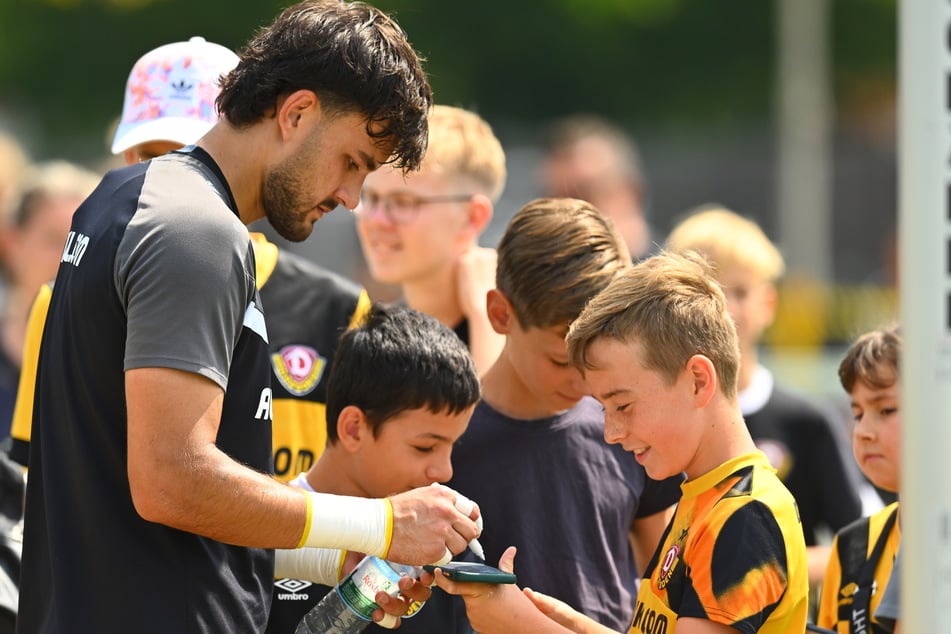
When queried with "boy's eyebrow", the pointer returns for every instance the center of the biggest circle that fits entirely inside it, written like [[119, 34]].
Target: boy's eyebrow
[[879, 396], [436, 436], [610, 394]]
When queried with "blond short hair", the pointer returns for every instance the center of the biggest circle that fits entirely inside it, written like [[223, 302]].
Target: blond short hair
[[13, 168], [670, 306], [52, 181], [555, 255], [728, 240], [462, 145]]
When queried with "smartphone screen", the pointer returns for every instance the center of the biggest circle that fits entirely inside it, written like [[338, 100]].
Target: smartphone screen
[[469, 571]]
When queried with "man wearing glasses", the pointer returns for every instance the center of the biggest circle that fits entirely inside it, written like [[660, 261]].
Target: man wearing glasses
[[421, 230]]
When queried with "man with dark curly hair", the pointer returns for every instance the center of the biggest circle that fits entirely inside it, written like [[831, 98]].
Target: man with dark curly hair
[[150, 503]]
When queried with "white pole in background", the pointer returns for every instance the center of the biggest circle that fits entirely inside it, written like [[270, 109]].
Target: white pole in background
[[804, 105], [925, 295]]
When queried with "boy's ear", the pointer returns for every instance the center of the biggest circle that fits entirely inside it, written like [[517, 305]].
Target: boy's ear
[[352, 428], [480, 213], [703, 375], [500, 312]]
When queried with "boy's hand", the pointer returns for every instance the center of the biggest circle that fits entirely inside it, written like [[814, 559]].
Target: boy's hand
[[556, 610], [428, 526], [350, 562], [490, 607], [475, 276], [412, 591], [565, 615]]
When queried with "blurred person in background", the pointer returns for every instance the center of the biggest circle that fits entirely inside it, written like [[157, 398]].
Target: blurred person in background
[[31, 245], [421, 230], [14, 163], [803, 442], [13, 166], [590, 158]]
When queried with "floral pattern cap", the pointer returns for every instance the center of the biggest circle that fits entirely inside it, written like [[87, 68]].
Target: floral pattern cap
[[170, 94]]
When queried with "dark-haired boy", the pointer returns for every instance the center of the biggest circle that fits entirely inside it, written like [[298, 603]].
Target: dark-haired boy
[[401, 390]]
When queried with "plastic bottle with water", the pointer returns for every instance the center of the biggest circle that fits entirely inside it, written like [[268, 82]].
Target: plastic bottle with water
[[348, 608]]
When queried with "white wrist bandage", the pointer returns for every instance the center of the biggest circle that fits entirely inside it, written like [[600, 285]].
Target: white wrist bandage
[[320, 565], [337, 521]]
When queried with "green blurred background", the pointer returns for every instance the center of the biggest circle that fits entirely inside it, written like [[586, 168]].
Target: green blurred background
[[694, 81]]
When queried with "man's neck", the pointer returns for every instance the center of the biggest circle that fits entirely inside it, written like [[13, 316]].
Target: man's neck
[[238, 154]]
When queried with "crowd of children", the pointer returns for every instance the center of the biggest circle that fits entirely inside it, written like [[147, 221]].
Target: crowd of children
[[601, 400]]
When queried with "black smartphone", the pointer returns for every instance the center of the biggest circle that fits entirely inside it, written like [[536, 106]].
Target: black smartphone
[[470, 571]]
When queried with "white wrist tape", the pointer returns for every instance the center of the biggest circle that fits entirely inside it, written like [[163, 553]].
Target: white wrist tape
[[337, 521], [320, 565]]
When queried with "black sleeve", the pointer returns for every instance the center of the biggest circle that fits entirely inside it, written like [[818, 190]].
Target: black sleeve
[[659, 495]]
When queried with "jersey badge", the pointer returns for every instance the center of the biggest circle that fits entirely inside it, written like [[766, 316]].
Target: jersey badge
[[668, 565], [298, 368]]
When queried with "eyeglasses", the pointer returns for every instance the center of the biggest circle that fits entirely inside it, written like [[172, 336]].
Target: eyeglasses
[[401, 208]]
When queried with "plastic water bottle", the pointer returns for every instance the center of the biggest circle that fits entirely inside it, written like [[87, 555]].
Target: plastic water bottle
[[348, 608]]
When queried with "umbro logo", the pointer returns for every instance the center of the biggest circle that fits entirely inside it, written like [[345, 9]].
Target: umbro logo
[[292, 585], [293, 589]]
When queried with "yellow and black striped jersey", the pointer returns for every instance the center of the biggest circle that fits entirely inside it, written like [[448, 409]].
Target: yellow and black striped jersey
[[734, 553], [841, 581]]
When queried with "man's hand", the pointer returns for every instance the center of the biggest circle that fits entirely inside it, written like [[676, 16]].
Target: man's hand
[[427, 523]]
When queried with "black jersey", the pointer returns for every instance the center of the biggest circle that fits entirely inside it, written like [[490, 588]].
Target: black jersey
[[308, 309], [809, 453], [157, 271]]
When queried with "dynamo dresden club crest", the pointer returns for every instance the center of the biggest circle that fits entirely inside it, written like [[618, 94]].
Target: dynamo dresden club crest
[[298, 368]]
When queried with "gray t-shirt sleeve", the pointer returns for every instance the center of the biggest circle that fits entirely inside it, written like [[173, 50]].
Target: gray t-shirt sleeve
[[185, 275], [889, 609]]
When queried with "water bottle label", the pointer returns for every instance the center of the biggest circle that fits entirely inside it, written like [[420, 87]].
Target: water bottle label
[[414, 609], [359, 590]]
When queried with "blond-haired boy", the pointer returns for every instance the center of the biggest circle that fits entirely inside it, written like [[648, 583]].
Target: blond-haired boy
[[658, 350], [803, 442], [420, 230], [534, 454]]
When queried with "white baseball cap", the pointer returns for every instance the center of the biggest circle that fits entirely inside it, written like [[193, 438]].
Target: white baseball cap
[[171, 92]]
